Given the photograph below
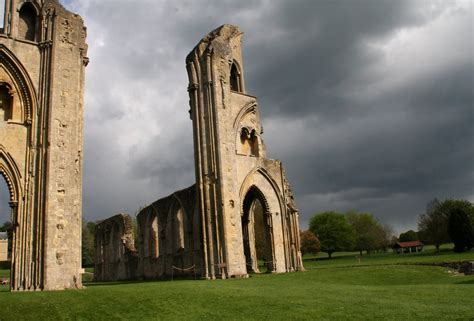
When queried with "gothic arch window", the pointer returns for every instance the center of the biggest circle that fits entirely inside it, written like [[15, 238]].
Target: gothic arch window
[[116, 250], [235, 78], [248, 142], [6, 100], [179, 230], [154, 239], [27, 22]]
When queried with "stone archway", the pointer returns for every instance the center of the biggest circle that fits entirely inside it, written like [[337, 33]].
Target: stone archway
[[256, 232], [11, 176], [258, 188], [5, 223]]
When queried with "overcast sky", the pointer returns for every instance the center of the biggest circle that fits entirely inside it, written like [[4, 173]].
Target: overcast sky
[[369, 104]]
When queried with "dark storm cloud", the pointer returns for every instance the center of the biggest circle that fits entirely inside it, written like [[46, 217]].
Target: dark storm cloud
[[368, 103], [323, 48]]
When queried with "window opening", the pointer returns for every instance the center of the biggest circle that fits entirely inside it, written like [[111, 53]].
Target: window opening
[[5, 103], [235, 83], [27, 22]]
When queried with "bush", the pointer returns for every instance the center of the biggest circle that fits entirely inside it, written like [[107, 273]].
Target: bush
[[309, 243]]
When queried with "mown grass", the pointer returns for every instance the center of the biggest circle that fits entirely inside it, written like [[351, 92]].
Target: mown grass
[[4, 273], [384, 287], [427, 256]]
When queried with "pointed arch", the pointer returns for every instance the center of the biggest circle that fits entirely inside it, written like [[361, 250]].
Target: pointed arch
[[22, 82], [177, 217], [11, 174], [236, 83], [259, 184], [153, 225], [247, 130], [257, 230], [250, 180], [248, 108], [256, 194]]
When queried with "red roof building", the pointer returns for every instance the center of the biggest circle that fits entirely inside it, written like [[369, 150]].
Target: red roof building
[[408, 247]]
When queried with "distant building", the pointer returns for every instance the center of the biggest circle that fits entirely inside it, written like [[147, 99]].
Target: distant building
[[3, 246], [408, 247]]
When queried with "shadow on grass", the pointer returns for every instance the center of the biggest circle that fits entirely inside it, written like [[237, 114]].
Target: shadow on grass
[[317, 259], [88, 284], [466, 282]]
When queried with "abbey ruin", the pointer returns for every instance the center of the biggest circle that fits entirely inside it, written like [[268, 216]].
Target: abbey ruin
[[42, 59], [241, 210], [238, 218]]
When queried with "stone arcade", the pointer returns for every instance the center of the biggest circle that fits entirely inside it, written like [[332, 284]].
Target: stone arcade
[[241, 209], [42, 60]]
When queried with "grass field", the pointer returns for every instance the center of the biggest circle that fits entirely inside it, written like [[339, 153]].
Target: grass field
[[380, 287]]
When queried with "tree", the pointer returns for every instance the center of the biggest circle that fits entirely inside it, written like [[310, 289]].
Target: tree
[[394, 240], [366, 230], [385, 235], [460, 228], [309, 243], [333, 231], [447, 206], [433, 224], [8, 227], [408, 236], [88, 246]]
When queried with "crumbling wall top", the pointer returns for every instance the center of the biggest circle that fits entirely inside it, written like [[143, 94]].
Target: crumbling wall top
[[217, 40]]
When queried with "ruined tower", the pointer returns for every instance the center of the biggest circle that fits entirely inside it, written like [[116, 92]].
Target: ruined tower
[[232, 171], [241, 211], [42, 60]]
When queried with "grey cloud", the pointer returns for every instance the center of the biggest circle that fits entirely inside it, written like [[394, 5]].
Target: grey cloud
[[349, 135], [4, 199]]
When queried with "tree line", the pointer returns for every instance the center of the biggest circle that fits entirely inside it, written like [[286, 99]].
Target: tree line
[[332, 232], [442, 222]]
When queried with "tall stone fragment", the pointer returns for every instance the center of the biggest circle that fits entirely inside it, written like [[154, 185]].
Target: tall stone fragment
[[232, 171], [42, 60], [241, 210]]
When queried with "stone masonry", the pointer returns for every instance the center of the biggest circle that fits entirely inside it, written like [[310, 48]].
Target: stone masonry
[[42, 62], [116, 258], [241, 210]]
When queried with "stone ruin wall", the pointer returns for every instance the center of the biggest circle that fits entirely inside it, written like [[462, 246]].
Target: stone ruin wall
[[168, 241], [210, 226], [115, 257], [170, 237]]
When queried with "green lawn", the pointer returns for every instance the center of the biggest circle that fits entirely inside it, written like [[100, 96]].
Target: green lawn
[[4, 273], [427, 256], [3, 288], [382, 287]]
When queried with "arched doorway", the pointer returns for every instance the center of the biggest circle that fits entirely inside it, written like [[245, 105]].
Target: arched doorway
[[6, 235], [256, 230]]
